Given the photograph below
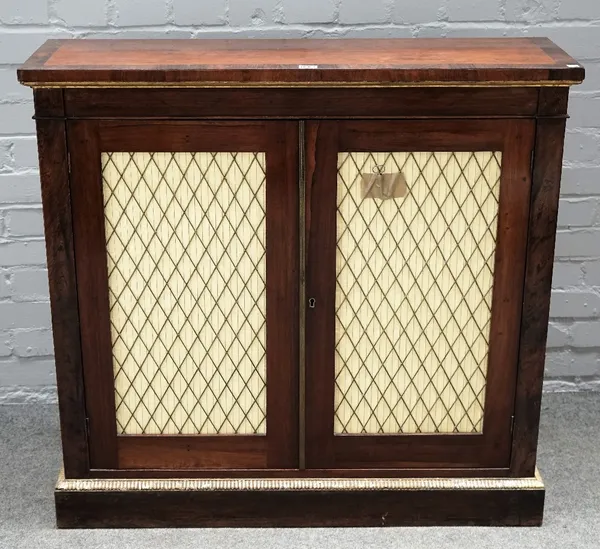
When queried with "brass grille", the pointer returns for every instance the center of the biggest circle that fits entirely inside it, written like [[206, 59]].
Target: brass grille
[[414, 291], [185, 237]]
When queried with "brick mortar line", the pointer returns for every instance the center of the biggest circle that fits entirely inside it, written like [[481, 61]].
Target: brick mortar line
[[490, 24]]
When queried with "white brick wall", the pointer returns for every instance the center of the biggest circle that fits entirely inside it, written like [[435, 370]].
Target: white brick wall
[[207, 12], [25, 342]]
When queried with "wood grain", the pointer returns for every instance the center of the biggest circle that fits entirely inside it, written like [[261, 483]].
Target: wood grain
[[184, 452], [49, 103], [92, 283], [300, 103], [538, 280], [317, 62], [282, 294], [507, 298], [153, 136], [294, 509], [320, 227], [416, 135], [60, 254]]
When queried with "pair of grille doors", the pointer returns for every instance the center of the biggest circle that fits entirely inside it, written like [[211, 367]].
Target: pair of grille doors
[[364, 314]]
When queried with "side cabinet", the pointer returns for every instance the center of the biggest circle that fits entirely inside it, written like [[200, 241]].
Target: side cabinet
[[300, 294]]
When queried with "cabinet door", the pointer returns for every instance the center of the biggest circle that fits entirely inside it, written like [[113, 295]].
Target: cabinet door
[[186, 241], [416, 237]]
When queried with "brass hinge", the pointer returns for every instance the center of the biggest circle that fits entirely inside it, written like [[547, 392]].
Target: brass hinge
[[512, 423], [69, 162]]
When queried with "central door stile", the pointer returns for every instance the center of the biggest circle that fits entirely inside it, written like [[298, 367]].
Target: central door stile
[[302, 295]]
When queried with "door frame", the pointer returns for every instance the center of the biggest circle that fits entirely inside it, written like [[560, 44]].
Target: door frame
[[278, 448], [491, 448]]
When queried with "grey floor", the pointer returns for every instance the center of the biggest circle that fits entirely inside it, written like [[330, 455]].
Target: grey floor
[[569, 461]]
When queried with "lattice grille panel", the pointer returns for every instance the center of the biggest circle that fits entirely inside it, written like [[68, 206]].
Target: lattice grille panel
[[414, 293], [185, 237]]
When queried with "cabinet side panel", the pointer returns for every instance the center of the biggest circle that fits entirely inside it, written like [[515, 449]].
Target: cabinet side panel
[[56, 198], [543, 213]]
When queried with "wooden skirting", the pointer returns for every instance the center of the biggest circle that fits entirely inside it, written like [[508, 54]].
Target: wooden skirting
[[102, 503]]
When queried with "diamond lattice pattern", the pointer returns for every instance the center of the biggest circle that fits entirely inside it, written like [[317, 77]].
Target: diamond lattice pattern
[[414, 293], [185, 237]]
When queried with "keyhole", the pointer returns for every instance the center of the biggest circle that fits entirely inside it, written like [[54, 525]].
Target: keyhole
[[312, 302]]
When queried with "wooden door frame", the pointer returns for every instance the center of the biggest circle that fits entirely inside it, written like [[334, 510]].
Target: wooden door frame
[[491, 448], [278, 447]]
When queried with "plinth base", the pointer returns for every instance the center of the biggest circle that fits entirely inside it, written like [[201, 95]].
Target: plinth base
[[131, 503]]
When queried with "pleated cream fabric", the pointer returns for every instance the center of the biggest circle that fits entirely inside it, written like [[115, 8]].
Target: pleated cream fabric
[[414, 292], [185, 236]]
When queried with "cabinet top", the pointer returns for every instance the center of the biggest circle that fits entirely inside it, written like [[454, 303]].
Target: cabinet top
[[292, 63]]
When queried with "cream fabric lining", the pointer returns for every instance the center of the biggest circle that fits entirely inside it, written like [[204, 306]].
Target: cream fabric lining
[[413, 294], [185, 236]]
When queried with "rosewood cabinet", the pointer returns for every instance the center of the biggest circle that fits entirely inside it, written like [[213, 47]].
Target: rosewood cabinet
[[300, 282]]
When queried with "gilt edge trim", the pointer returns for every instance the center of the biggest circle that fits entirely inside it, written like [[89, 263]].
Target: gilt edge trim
[[296, 484]]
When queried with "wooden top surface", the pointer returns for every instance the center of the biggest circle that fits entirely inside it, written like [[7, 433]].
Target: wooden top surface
[[377, 62]]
